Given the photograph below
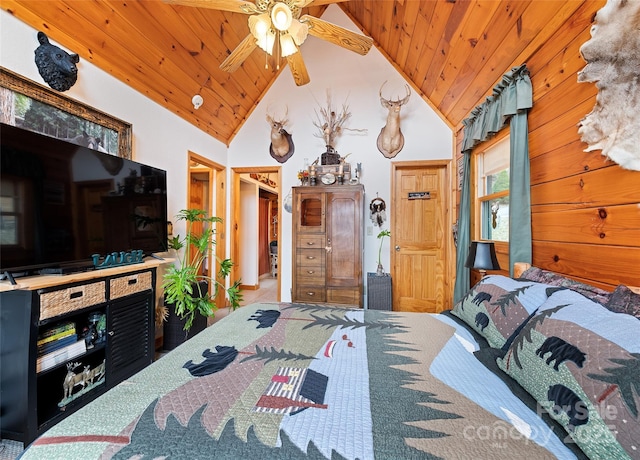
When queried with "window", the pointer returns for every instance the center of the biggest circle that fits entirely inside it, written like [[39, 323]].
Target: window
[[492, 195], [14, 220]]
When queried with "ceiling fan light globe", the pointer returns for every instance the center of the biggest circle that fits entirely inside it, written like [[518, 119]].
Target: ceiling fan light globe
[[299, 32], [281, 16], [259, 25], [266, 42], [287, 45]]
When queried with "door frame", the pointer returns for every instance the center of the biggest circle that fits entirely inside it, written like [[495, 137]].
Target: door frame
[[448, 193], [217, 179], [235, 214]]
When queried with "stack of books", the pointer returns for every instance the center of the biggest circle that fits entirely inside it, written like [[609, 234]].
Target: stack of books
[[57, 345]]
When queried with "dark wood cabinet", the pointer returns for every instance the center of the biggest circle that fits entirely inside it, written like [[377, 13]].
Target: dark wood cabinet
[[328, 244], [112, 317]]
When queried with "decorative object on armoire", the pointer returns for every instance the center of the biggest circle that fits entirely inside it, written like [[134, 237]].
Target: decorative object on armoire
[[330, 124], [56, 66], [482, 257], [181, 280], [328, 244], [378, 211], [391, 140], [613, 58], [303, 176], [381, 235], [281, 147]]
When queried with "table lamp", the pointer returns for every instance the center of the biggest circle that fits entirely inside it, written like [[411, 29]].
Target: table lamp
[[482, 257]]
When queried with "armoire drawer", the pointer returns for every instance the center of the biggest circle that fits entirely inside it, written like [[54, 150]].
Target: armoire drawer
[[311, 242], [310, 294], [310, 257], [310, 275]]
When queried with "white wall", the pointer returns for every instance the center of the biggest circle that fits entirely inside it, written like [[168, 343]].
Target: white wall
[[160, 138], [355, 79], [249, 233]]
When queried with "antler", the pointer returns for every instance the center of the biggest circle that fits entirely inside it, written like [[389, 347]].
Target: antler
[[402, 101]]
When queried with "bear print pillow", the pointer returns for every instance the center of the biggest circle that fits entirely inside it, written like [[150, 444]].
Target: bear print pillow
[[581, 362], [497, 306]]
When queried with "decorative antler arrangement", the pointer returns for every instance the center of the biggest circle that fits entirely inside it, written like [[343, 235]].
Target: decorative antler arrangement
[[330, 123]]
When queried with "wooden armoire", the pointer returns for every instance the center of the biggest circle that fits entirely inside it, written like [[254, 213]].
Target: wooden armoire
[[328, 227]]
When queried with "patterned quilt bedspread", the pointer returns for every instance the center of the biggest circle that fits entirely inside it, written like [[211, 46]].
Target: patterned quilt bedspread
[[303, 381]]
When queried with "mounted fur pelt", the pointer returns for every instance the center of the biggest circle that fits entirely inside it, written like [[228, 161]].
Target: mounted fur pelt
[[56, 66], [613, 62]]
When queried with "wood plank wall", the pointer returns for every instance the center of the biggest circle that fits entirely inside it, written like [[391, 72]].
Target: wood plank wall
[[585, 209]]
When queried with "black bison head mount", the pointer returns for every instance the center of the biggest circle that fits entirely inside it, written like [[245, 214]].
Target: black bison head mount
[[56, 66]]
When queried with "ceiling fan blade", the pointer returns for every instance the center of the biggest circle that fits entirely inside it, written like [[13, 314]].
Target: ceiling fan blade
[[235, 6], [305, 3], [298, 69], [337, 35], [239, 54]]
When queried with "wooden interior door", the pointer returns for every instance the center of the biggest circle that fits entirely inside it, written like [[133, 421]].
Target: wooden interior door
[[264, 258], [198, 199], [419, 236]]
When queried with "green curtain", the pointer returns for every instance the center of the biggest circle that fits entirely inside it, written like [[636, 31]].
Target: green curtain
[[510, 101]]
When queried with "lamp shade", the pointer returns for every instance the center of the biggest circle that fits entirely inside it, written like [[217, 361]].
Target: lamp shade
[[287, 45], [482, 256], [281, 16]]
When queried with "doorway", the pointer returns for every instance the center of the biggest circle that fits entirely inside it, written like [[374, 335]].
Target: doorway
[[247, 244], [421, 239], [206, 190]]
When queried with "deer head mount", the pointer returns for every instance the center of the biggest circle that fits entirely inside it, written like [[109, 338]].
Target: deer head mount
[[390, 140], [281, 147]]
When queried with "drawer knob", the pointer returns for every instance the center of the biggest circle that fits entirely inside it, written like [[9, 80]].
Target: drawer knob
[[311, 294], [311, 243], [311, 272], [311, 257]]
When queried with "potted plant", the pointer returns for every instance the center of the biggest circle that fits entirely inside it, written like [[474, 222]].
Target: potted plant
[[381, 235], [186, 290]]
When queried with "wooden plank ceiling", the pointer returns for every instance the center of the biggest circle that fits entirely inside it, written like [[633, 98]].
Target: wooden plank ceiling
[[451, 51]]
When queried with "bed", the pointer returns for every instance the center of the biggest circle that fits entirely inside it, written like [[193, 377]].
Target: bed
[[286, 380]]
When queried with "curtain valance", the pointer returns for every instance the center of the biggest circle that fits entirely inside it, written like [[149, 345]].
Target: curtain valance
[[512, 95]]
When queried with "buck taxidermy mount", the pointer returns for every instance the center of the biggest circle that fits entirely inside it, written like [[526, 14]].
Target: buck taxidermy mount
[[281, 147], [277, 27]]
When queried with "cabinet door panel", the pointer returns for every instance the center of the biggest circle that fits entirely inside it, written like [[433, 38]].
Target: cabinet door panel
[[130, 346], [309, 212], [349, 296], [344, 237]]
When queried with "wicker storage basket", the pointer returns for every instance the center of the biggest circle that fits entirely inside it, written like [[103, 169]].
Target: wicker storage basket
[[130, 284], [74, 298]]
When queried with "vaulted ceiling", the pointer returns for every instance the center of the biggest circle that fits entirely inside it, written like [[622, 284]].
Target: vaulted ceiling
[[451, 51]]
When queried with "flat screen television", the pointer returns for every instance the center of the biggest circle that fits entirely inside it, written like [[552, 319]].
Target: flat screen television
[[61, 203]]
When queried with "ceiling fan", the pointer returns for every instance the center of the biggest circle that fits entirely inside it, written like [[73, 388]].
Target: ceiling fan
[[278, 28]]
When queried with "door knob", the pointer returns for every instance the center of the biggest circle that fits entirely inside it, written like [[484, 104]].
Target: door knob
[[397, 247]]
